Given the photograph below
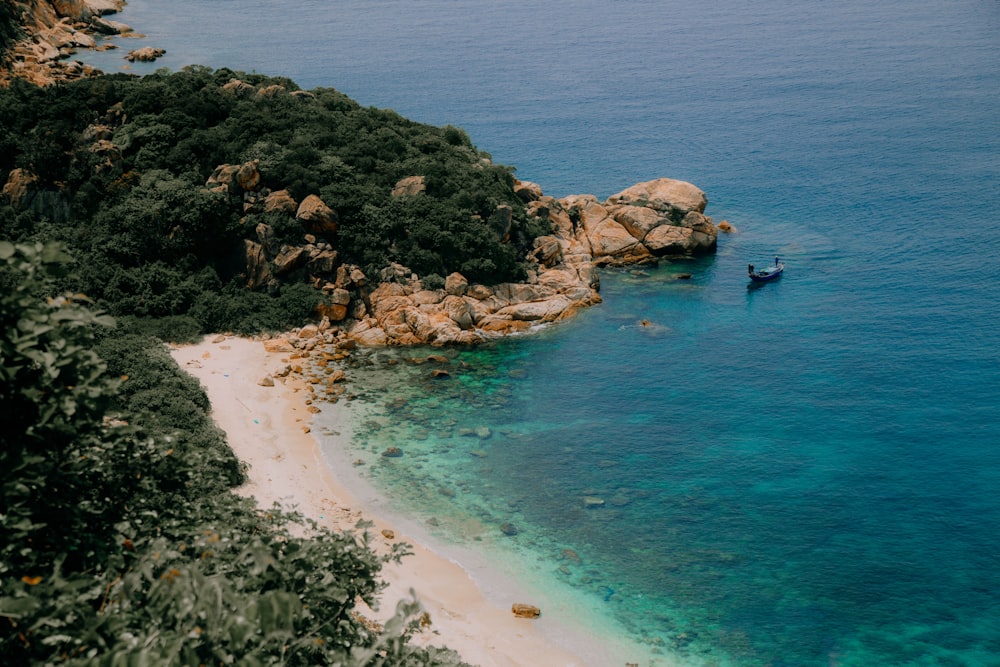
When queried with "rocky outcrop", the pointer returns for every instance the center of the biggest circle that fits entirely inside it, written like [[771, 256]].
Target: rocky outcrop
[[24, 193], [54, 31], [316, 216], [411, 185], [146, 54]]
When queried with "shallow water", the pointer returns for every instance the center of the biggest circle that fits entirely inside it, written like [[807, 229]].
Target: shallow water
[[800, 474]]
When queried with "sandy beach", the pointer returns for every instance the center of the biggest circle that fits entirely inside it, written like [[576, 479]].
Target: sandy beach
[[269, 429]]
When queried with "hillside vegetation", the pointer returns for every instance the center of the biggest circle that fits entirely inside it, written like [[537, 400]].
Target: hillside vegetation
[[125, 172]]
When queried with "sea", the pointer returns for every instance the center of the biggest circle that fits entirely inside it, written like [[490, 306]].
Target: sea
[[801, 474]]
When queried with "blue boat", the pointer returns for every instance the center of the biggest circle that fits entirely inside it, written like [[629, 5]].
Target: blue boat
[[767, 273]]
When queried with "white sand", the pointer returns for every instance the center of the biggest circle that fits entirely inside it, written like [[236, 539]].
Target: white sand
[[268, 428]]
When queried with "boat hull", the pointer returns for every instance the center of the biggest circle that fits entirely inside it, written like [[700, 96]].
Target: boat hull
[[766, 275]]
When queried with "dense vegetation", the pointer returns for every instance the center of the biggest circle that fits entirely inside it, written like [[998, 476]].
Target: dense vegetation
[[120, 541], [10, 24], [122, 163]]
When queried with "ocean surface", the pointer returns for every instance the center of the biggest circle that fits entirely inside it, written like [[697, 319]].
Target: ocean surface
[[807, 473]]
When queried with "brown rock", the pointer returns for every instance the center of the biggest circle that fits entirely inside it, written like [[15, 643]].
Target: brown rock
[[146, 54], [527, 191], [277, 345], [456, 284], [411, 185], [663, 194], [280, 200], [290, 258], [525, 610], [316, 216], [257, 270], [248, 175], [19, 184], [239, 88], [72, 9]]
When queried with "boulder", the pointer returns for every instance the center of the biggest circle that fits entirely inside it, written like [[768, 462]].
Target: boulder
[[727, 227], [547, 251], [527, 191], [340, 297], [279, 344], [239, 89], [289, 259], [456, 284], [20, 184], [316, 216], [248, 176], [665, 195], [107, 27], [103, 7], [271, 91], [71, 9], [459, 311], [521, 610], [257, 270], [411, 185], [265, 234], [146, 54], [322, 262]]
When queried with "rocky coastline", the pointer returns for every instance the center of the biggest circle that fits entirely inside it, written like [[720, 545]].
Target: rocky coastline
[[54, 30], [648, 221]]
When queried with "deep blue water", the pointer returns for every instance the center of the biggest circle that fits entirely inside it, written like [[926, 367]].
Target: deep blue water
[[801, 474]]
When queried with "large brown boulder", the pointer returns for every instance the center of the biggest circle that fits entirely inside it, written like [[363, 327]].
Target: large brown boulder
[[525, 610], [71, 9], [104, 7], [280, 201], [258, 272], [316, 216], [663, 194], [20, 184], [411, 185], [146, 54]]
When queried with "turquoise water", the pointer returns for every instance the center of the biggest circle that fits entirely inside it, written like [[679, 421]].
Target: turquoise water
[[801, 474]]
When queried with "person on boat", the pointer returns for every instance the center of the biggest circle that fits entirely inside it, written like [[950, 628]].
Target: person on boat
[[776, 263], [750, 269]]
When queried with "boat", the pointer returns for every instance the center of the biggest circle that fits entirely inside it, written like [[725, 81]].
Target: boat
[[767, 273]]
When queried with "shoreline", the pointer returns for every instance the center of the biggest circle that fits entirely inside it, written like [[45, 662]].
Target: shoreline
[[269, 429]]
